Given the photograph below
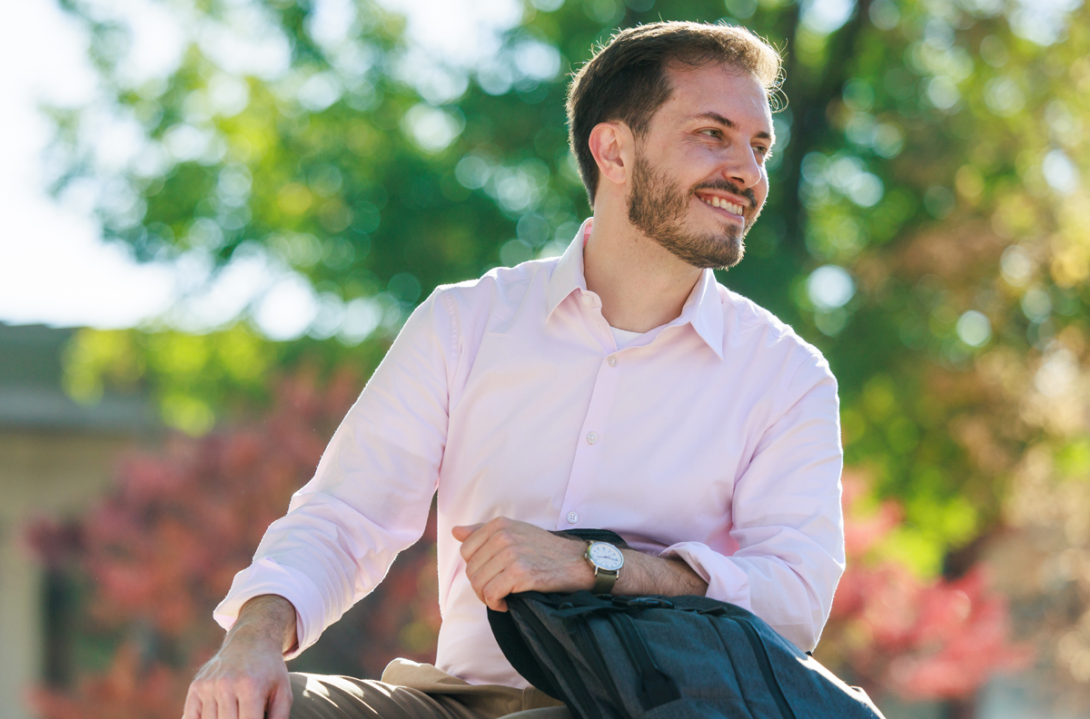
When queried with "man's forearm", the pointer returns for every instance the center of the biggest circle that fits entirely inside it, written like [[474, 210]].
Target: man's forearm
[[648, 574], [268, 617]]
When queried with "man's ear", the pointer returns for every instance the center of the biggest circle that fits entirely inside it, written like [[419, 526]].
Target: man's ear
[[611, 145]]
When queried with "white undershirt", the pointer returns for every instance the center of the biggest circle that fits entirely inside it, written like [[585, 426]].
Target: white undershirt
[[624, 337]]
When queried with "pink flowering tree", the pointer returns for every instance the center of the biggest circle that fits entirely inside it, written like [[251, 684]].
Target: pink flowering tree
[[938, 639], [159, 553]]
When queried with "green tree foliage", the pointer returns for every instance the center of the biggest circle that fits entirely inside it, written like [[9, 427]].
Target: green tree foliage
[[194, 378], [927, 225]]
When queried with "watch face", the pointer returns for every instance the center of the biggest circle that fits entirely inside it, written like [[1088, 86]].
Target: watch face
[[605, 556]]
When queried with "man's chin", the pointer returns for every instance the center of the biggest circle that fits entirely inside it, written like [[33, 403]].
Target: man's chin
[[725, 250], [713, 252], [725, 260]]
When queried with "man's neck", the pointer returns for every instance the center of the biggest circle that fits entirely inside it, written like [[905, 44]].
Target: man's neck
[[641, 284]]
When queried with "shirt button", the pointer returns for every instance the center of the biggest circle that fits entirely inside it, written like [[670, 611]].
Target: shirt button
[[612, 361], [592, 438], [573, 517], [588, 300]]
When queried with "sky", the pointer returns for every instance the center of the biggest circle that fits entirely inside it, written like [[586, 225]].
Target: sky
[[54, 267]]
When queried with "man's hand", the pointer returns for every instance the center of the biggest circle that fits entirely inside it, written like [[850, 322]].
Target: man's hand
[[248, 677], [505, 556]]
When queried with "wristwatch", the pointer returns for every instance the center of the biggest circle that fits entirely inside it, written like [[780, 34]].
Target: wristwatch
[[607, 561]]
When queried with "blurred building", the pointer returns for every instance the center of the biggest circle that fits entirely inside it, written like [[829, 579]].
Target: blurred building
[[56, 457]]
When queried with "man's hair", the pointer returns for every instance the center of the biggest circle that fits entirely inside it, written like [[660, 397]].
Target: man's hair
[[627, 80]]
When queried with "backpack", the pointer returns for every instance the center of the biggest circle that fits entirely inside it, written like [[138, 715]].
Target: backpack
[[651, 657]]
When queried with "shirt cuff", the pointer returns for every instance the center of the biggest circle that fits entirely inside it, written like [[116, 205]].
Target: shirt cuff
[[266, 576], [726, 581]]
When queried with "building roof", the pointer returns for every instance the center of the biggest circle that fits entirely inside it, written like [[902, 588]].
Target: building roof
[[32, 394]]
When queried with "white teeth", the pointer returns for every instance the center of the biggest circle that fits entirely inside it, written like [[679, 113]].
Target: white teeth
[[719, 202]]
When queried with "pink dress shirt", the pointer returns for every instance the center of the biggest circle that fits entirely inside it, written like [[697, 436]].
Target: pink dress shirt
[[714, 438]]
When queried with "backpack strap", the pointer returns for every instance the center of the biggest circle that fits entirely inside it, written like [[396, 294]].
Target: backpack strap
[[656, 686], [761, 653]]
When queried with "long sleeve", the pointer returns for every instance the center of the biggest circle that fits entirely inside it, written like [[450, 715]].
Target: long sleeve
[[786, 517], [370, 495]]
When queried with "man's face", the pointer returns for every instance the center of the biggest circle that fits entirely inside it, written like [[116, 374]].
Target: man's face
[[699, 180]]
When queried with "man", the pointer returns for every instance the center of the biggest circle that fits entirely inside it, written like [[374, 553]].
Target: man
[[618, 386]]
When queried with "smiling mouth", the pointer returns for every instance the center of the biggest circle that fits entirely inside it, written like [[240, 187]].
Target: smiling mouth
[[722, 204]]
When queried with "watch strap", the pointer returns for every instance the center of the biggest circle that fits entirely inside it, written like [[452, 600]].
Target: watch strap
[[604, 579]]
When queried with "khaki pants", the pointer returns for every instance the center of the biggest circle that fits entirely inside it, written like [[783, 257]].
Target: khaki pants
[[415, 691]]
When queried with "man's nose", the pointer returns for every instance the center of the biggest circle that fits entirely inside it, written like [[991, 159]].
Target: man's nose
[[742, 167]]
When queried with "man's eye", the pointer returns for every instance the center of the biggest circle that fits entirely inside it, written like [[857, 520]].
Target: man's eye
[[763, 151], [711, 132]]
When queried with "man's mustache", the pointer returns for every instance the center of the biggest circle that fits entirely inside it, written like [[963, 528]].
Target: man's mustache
[[729, 187]]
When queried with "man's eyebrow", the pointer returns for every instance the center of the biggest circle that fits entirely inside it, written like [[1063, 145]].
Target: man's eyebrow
[[727, 122]]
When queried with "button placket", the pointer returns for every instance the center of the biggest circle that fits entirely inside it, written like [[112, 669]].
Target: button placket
[[587, 463]]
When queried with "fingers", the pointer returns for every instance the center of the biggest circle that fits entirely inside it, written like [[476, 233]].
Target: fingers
[[494, 549], [204, 702], [500, 530], [240, 698], [508, 563], [226, 705], [461, 533], [488, 545], [280, 706], [493, 591], [244, 679], [475, 536], [252, 698], [487, 549], [192, 706], [500, 575]]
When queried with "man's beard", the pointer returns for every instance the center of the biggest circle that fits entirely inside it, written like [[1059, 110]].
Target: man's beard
[[658, 207]]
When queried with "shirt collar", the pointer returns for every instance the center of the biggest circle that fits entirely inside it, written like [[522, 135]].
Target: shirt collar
[[568, 275], [703, 309]]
